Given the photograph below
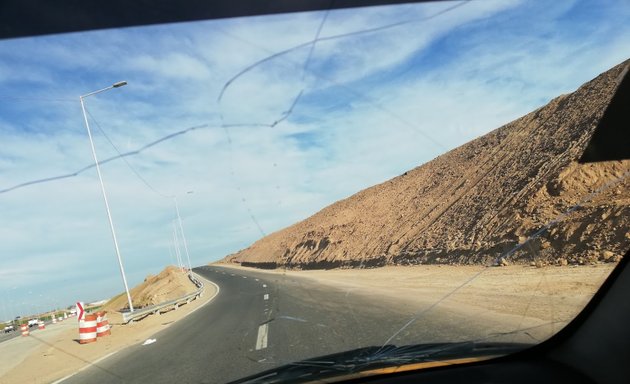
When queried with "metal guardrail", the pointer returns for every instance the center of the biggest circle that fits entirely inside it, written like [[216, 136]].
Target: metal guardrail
[[141, 313], [195, 281]]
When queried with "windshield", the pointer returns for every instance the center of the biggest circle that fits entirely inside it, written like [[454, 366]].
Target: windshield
[[348, 189]]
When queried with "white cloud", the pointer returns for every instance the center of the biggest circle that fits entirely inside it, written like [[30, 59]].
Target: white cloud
[[170, 65]]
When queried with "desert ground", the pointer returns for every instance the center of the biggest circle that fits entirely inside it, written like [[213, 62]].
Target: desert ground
[[550, 293]]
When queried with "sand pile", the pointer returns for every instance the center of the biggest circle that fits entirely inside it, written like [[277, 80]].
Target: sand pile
[[169, 284]]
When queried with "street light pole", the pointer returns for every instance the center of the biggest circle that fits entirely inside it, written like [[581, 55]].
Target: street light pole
[[176, 246], [100, 178], [181, 229]]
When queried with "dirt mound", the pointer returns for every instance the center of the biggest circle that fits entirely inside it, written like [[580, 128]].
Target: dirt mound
[[169, 284], [478, 201]]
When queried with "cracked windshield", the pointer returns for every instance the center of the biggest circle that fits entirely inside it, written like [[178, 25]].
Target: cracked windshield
[[305, 195]]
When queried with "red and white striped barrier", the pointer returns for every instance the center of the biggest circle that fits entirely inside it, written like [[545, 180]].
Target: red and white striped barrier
[[24, 329], [41, 325], [102, 324], [87, 329]]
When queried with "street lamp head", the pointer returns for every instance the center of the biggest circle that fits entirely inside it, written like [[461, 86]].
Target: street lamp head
[[115, 85]]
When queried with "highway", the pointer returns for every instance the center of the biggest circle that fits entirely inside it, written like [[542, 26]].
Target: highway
[[259, 321], [9, 336], [18, 333]]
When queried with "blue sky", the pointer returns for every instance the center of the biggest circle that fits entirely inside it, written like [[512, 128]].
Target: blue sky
[[371, 105]]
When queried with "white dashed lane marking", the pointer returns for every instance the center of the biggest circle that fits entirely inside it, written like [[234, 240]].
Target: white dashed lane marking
[[264, 285], [266, 297], [261, 340]]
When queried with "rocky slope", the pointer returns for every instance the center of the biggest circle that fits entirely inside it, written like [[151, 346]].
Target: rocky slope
[[479, 202]]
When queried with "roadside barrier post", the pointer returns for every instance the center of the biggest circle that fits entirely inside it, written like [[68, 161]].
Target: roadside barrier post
[[102, 324], [87, 329]]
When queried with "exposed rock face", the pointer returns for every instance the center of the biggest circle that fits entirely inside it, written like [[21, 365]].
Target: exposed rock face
[[479, 202]]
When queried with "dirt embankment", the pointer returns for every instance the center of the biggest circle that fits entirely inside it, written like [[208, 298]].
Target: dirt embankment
[[169, 284], [479, 201]]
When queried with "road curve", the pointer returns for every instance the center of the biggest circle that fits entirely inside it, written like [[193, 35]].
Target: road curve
[[261, 320]]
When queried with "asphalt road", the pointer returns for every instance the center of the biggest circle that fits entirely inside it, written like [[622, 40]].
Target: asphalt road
[[259, 321], [18, 332], [9, 336]]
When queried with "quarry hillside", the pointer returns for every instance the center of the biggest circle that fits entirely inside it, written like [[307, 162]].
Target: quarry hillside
[[479, 202]]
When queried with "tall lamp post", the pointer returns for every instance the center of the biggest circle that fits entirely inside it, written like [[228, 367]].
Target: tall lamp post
[[181, 228], [100, 178]]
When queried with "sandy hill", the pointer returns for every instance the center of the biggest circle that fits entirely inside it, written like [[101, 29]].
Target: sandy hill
[[478, 201], [169, 284]]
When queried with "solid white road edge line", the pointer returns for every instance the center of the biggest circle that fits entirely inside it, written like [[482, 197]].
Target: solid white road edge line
[[209, 300], [261, 340], [87, 366]]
